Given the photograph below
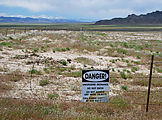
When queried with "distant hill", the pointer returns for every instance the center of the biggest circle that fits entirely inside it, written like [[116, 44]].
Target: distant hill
[[149, 18], [34, 20]]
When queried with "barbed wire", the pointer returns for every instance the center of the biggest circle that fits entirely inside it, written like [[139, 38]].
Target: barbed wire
[[73, 100], [71, 76], [126, 91]]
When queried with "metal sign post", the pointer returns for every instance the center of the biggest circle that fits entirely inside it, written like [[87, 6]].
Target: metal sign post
[[148, 95]]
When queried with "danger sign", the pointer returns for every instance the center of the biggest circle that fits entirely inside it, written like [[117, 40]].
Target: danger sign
[[95, 85]]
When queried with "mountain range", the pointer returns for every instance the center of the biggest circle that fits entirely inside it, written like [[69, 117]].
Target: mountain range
[[34, 20], [153, 18]]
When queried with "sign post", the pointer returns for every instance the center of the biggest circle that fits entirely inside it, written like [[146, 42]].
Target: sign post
[[95, 85]]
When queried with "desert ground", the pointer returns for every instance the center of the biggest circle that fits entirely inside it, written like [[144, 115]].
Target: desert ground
[[43, 69]]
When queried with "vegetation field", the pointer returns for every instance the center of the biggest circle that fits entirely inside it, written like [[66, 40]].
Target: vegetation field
[[81, 27], [41, 67]]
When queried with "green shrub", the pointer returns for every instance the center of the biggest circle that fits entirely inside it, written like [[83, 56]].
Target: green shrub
[[52, 96], [147, 45], [124, 87], [138, 57], [111, 45], [48, 41], [10, 38], [63, 62], [60, 73], [73, 74], [131, 46], [123, 51], [67, 48], [46, 70], [102, 34], [42, 48], [128, 64], [123, 75], [127, 61], [84, 38], [57, 49], [125, 44], [139, 47], [128, 71], [63, 49], [159, 70], [136, 62], [43, 82], [36, 50], [134, 69], [6, 43], [33, 71], [113, 61]]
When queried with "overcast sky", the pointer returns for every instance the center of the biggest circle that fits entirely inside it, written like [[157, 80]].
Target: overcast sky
[[76, 9]]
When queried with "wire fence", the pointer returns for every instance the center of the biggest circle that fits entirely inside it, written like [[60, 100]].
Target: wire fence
[[30, 76]]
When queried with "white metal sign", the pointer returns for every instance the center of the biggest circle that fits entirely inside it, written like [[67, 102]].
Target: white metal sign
[[95, 85]]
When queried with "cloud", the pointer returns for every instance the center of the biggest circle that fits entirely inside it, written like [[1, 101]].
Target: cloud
[[87, 8], [33, 5], [23, 16]]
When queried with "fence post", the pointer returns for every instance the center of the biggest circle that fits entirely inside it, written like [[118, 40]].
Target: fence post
[[25, 30], [6, 32], [31, 75], [149, 86], [14, 31]]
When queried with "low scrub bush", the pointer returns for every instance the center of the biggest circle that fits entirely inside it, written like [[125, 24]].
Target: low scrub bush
[[61, 49], [134, 69], [123, 51], [34, 71], [125, 44], [123, 75], [73, 74], [159, 70], [138, 57], [102, 34], [124, 87], [43, 82], [63, 62], [36, 50], [139, 47], [53, 95]]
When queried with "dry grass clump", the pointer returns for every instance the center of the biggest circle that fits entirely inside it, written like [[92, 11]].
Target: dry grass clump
[[4, 87], [156, 82], [85, 61], [14, 76], [131, 106]]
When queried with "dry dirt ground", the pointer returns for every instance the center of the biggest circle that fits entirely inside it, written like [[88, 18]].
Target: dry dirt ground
[[58, 57], [48, 64]]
